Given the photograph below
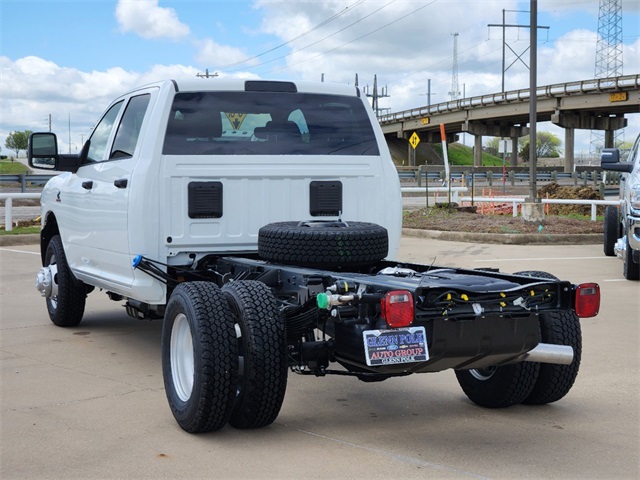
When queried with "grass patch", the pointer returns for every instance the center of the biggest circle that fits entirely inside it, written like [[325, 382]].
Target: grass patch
[[21, 230], [7, 167], [462, 155]]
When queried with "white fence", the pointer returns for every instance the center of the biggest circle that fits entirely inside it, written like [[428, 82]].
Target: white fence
[[455, 197], [8, 205], [514, 201]]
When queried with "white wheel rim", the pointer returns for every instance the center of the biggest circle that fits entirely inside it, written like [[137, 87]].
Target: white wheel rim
[[182, 358], [53, 267]]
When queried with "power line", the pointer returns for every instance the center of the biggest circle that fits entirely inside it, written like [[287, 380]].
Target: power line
[[360, 37], [320, 25], [318, 41]]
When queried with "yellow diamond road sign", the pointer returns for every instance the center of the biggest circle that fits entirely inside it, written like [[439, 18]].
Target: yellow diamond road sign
[[414, 140]]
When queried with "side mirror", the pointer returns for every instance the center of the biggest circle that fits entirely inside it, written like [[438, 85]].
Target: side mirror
[[610, 155], [610, 161], [42, 150]]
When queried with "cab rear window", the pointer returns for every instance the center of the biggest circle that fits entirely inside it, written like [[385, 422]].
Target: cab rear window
[[266, 123]]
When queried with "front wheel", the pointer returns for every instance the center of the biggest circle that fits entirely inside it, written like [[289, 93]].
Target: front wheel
[[631, 268], [66, 297], [611, 229], [199, 357]]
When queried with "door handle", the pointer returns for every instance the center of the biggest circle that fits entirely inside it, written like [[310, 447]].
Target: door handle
[[87, 185], [121, 183]]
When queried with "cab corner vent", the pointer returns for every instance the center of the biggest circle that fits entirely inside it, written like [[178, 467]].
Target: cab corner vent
[[205, 199], [325, 199]]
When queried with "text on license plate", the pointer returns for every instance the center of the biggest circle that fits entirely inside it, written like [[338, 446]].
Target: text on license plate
[[402, 345]]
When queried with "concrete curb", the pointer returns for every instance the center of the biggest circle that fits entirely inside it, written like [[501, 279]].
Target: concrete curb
[[504, 238], [25, 239], [507, 238]]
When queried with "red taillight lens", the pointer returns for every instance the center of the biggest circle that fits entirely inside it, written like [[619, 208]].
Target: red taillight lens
[[587, 300], [397, 308]]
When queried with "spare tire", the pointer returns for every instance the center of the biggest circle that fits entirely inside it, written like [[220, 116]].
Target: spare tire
[[319, 243]]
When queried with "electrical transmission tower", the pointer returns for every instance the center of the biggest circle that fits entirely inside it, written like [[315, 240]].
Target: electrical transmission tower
[[608, 57], [609, 47], [455, 88]]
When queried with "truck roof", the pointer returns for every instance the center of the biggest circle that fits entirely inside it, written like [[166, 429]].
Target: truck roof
[[236, 84]]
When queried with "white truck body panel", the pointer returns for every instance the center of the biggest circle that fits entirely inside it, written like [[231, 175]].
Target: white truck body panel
[[104, 227]]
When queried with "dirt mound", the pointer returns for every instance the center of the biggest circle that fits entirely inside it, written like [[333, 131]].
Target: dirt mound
[[553, 190]]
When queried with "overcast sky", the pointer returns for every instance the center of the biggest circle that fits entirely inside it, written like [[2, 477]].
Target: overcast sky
[[69, 59]]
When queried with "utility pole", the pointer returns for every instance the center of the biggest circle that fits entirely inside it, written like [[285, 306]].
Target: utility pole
[[505, 45], [206, 74], [533, 98], [376, 96], [455, 89]]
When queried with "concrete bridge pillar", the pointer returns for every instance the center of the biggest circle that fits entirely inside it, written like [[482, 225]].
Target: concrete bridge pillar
[[609, 138], [477, 150], [569, 148], [514, 151]]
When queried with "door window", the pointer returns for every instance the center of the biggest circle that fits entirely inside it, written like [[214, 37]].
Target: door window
[[101, 134], [129, 129]]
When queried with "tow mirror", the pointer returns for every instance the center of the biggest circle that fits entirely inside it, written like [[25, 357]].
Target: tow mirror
[[610, 160], [42, 150], [610, 155]]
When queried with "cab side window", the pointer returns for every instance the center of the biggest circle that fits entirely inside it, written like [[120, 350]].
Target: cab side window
[[124, 144], [101, 134]]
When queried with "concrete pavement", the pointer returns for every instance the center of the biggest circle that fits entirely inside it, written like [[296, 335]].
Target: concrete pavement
[[88, 402]]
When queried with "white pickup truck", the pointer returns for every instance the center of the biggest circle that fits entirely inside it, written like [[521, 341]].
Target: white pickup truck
[[261, 221], [622, 224]]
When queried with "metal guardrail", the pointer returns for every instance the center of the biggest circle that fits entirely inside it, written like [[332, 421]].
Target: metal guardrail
[[8, 206], [26, 179], [468, 177]]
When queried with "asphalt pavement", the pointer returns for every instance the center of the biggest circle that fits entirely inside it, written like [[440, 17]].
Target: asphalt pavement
[[88, 402]]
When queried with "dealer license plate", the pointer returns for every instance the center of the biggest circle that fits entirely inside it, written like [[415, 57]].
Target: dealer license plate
[[402, 345]]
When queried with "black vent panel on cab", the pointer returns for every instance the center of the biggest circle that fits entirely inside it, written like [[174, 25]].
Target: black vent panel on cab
[[205, 199], [325, 199]]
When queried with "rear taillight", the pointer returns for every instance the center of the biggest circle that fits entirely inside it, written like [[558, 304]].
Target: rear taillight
[[397, 308], [587, 300]]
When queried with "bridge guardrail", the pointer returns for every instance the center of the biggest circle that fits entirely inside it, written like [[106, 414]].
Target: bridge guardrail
[[556, 90]]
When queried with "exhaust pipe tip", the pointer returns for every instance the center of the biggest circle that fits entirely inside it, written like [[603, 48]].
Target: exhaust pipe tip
[[548, 353]]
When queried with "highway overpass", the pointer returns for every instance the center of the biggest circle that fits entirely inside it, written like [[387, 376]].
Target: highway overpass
[[599, 104]]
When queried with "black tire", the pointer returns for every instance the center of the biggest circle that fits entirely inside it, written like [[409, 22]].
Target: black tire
[[557, 328], [631, 269], [199, 357], [262, 349], [65, 308], [555, 381], [323, 244], [611, 229], [499, 387]]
